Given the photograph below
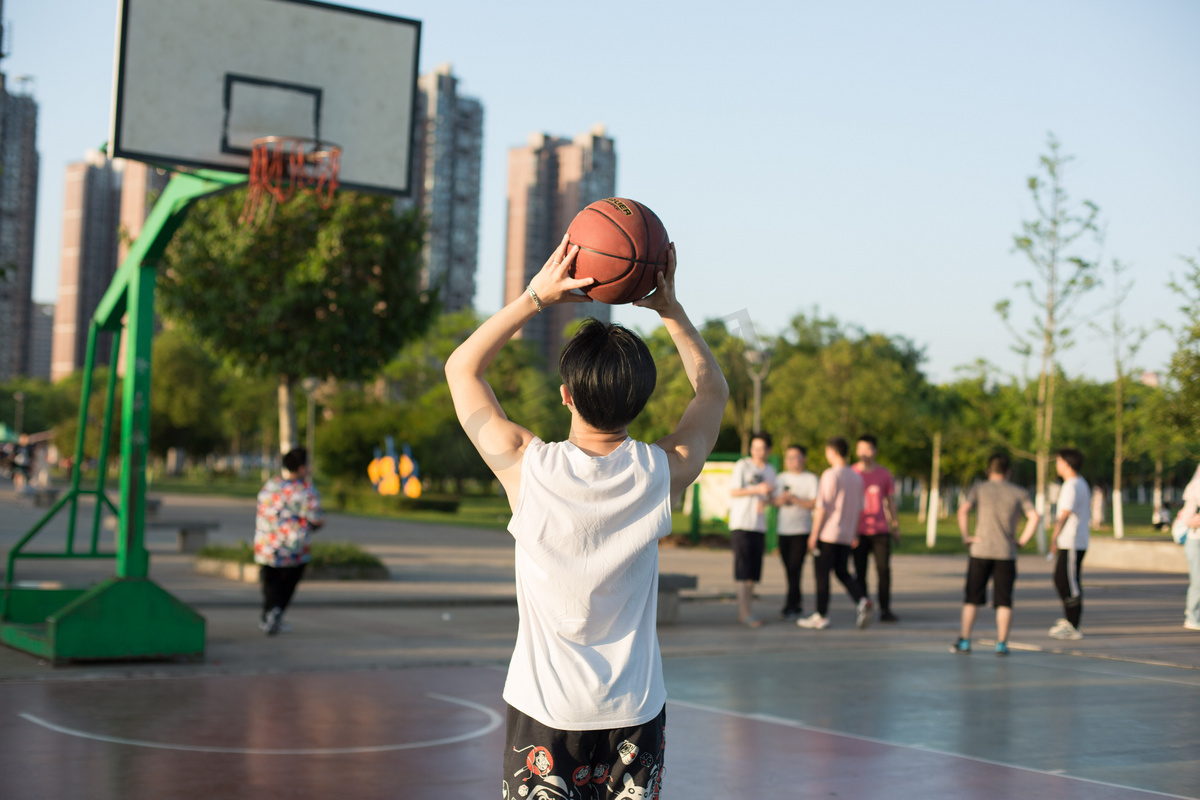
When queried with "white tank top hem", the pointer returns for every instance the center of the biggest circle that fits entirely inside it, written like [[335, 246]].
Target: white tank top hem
[[587, 531]]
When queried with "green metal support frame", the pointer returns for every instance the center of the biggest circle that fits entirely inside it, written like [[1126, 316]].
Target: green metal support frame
[[126, 616]]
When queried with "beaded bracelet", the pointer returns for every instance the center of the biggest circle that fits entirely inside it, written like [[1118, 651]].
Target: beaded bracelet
[[533, 294]]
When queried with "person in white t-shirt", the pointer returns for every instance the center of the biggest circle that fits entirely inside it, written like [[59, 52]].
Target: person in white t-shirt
[[750, 488], [1072, 520], [585, 692], [795, 497]]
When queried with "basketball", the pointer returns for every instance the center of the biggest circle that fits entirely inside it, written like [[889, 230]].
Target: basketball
[[623, 245]]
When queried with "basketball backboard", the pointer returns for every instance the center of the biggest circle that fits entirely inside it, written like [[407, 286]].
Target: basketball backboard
[[196, 81]]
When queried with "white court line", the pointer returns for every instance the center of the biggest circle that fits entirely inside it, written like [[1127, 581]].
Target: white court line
[[791, 723], [494, 722]]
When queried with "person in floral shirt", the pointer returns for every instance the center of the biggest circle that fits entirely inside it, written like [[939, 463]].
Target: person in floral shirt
[[289, 511]]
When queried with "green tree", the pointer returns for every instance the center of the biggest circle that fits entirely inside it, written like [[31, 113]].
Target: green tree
[[1126, 341], [1185, 361], [1061, 278], [832, 381], [185, 397], [329, 292]]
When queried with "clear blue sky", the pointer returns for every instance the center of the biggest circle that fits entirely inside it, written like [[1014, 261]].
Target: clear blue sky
[[867, 158]]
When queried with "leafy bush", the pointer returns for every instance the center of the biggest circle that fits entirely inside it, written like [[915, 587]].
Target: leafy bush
[[324, 554]]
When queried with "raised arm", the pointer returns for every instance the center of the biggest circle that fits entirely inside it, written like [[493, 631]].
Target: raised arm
[[500, 441], [696, 434]]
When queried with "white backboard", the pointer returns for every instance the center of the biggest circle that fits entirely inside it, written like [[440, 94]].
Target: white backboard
[[197, 80]]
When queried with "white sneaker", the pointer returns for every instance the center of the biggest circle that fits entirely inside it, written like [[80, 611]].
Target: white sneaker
[[1191, 626], [271, 622], [814, 623], [864, 613], [1068, 631], [1060, 624]]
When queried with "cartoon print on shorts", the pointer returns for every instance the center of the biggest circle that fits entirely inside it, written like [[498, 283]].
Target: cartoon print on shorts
[[600, 773], [539, 762], [554, 788], [628, 751], [582, 775], [631, 790]]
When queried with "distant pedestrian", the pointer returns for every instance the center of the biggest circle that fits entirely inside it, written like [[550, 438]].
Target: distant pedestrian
[[877, 524], [289, 511], [795, 497], [1072, 523], [750, 488], [998, 506], [835, 520], [22, 463], [1189, 521]]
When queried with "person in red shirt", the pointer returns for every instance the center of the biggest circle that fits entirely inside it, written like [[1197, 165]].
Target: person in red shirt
[[877, 525]]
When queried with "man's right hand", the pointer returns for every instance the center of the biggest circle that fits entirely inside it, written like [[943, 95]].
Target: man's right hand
[[663, 299]]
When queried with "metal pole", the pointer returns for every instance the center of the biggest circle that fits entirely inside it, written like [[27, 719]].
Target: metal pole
[[757, 401], [89, 364], [19, 422]]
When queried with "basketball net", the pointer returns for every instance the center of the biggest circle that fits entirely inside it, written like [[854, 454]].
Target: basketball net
[[282, 165]]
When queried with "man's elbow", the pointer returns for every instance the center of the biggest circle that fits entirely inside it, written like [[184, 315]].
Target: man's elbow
[[714, 388]]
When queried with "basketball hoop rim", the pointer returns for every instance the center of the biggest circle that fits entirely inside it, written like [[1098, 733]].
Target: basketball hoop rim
[[317, 148]]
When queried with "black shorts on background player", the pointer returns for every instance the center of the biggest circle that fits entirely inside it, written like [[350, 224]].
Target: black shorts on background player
[[1003, 575]]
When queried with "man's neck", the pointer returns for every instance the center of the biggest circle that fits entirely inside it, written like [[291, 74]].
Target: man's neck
[[868, 463], [594, 442], [837, 463]]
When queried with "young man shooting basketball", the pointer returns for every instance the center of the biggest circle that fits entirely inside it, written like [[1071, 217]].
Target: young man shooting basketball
[[585, 688]]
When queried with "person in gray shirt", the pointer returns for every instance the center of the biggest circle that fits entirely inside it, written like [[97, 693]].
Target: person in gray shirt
[[999, 506]]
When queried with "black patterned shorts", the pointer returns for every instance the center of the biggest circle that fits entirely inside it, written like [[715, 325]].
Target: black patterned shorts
[[542, 763]]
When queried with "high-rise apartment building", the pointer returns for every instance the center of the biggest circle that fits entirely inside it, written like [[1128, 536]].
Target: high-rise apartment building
[[91, 212], [105, 206], [41, 340], [448, 154], [18, 204], [550, 180]]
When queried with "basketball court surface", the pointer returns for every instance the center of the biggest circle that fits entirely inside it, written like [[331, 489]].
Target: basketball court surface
[[831, 721], [394, 690]]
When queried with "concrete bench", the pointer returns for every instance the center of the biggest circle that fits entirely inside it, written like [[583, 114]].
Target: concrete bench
[[191, 534], [669, 585]]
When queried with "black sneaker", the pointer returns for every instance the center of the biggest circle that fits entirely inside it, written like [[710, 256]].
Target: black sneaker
[[888, 616]]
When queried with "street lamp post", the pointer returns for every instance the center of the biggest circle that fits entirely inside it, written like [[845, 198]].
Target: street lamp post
[[310, 388], [758, 363], [19, 422]]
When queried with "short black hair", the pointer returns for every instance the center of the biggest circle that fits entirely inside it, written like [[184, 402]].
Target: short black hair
[[1073, 457], [803, 450], [766, 438], [997, 464], [869, 439], [839, 445], [609, 372], [295, 458]]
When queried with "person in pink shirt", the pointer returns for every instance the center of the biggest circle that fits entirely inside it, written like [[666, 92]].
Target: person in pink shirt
[[877, 525], [835, 523]]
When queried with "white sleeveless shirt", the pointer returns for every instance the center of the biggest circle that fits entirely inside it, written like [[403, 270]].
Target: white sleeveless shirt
[[587, 531]]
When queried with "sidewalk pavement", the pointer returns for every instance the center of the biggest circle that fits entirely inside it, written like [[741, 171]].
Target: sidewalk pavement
[[451, 600]]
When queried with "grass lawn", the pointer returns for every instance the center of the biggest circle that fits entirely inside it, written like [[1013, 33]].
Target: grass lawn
[[492, 511]]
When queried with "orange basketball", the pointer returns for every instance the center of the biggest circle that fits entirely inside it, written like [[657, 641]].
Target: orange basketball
[[623, 245]]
